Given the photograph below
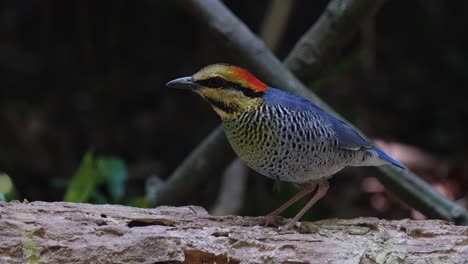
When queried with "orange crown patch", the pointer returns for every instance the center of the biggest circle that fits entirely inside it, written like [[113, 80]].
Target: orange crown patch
[[248, 79]]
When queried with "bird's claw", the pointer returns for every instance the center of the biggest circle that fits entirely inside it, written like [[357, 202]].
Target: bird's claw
[[287, 226], [273, 221], [268, 221]]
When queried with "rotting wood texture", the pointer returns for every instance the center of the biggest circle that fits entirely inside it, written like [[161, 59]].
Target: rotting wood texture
[[41, 232]]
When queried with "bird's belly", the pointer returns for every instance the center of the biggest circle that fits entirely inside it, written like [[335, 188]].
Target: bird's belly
[[285, 156], [298, 166]]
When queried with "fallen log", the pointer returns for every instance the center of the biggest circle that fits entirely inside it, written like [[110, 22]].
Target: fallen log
[[41, 232]]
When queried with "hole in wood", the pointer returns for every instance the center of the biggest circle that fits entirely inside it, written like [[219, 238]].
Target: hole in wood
[[141, 223]]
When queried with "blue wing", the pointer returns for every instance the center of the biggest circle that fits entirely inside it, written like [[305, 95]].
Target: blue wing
[[386, 157], [278, 97], [348, 137]]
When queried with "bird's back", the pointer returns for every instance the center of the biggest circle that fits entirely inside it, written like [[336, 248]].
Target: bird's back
[[290, 139], [347, 137], [287, 138]]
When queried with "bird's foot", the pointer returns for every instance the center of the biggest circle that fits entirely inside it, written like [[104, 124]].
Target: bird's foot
[[269, 220], [276, 222], [288, 226]]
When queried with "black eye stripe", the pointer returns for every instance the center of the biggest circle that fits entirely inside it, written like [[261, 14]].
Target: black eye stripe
[[218, 82], [249, 92], [213, 82]]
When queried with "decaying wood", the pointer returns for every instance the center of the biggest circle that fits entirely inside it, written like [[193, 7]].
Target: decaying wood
[[42, 232]]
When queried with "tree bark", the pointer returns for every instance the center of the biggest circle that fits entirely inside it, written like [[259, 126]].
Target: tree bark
[[42, 232]]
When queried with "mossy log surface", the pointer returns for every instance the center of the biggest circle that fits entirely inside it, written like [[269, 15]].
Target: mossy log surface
[[41, 232]]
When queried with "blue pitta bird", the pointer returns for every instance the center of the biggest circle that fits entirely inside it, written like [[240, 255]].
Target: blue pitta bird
[[281, 135]]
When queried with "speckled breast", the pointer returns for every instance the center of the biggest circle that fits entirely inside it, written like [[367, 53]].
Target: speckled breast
[[285, 145]]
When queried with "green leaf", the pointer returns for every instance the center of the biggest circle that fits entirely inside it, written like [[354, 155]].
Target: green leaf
[[140, 202], [84, 181], [7, 188], [91, 174], [114, 172], [6, 185]]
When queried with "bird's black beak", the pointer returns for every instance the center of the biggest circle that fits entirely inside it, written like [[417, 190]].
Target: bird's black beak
[[183, 83]]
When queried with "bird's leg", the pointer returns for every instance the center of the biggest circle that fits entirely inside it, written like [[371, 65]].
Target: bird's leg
[[322, 190], [269, 218]]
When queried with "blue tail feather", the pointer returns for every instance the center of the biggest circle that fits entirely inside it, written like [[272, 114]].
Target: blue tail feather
[[386, 157]]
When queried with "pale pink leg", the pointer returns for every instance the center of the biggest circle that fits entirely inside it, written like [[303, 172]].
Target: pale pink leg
[[322, 190], [308, 188]]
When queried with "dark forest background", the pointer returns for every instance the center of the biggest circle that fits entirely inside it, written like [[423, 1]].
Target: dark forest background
[[81, 77]]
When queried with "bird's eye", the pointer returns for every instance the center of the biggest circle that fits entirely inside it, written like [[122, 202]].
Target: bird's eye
[[213, 82]]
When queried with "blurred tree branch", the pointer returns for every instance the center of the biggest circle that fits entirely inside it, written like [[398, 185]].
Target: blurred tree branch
[[207, 160], [240, 39], [275, 22], [320, 46], [230, 198]]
